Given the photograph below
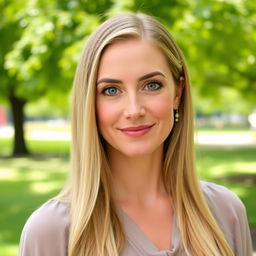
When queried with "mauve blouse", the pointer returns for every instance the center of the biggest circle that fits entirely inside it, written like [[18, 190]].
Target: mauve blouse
[[46, 231]]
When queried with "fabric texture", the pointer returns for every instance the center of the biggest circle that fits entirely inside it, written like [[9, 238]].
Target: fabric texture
[[46, 231]]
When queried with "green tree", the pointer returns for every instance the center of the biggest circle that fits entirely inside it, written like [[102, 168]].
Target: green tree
[[41, 41], [9, 34], [219, 40]]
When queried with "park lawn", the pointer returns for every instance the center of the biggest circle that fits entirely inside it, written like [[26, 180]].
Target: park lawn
[[25, 183], [225, 130], [234, 168], [38, 147]]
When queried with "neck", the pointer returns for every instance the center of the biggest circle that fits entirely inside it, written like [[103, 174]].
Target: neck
[[136, 180]]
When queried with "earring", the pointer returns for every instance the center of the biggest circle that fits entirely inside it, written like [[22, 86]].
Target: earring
[[176, 115]]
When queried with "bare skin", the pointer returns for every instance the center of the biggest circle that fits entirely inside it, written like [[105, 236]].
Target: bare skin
[[139, 191]]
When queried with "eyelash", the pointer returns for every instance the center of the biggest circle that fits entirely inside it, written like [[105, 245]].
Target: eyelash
[[159, 84]]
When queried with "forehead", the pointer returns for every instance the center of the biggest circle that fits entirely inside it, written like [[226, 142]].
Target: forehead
[[132, 55]]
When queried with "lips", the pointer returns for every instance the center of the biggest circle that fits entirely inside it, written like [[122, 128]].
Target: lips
[[136, 131]]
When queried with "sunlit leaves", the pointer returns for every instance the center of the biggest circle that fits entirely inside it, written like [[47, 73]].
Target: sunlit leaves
[[41, 41]]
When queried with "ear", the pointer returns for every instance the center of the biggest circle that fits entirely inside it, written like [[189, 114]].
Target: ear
[[179, 90]]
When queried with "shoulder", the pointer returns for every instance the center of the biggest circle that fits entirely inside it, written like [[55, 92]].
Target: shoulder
[[47, 227], [220, 197], [230, 214], [51, 217]]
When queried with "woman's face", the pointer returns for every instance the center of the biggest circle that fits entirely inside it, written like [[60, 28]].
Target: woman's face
[[135, 98]]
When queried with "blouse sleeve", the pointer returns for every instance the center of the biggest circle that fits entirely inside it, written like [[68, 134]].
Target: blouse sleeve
[[230, 214], [46, 231]]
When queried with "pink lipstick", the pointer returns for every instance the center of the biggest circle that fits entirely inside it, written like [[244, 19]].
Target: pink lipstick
[[136, 131]]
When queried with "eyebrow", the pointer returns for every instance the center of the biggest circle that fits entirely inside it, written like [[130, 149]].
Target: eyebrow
[[144, 77]]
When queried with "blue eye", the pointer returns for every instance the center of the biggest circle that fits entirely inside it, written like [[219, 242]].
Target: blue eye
[[153, 86], [110, 91]]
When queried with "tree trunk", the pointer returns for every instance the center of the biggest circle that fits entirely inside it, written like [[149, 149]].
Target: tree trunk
[[17, 107]]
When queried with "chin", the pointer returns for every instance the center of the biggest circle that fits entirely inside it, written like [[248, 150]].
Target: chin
[[137, 151], [136, 154]]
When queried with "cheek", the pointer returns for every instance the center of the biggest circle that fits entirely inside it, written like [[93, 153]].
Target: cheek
[[162, 107], [106, 114]]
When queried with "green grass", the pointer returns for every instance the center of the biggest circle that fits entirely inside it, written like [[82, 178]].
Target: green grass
[[226, 130], [25, 183], [41, 147], [58, 147], [216, 164]]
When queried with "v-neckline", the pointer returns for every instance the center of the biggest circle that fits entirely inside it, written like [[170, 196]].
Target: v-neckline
[[136, 237]]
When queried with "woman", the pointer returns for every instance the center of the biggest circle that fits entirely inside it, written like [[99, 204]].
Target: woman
[[133, 188]]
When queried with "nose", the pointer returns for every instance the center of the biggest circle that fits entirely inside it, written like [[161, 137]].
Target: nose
[[134, 107]]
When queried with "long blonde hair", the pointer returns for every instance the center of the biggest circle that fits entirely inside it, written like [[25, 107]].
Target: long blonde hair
[[95, 228]]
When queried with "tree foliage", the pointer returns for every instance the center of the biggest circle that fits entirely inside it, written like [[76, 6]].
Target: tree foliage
[[41, 41], [221, 48]]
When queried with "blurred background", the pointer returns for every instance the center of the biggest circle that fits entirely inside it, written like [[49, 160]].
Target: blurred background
[[40, 44]]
